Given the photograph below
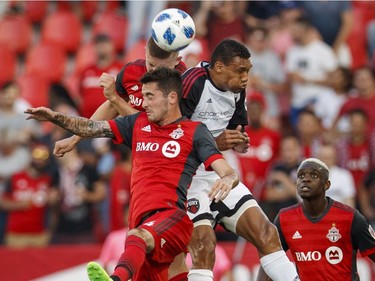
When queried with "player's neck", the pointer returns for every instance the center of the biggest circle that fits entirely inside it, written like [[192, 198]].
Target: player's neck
[[171, 118], [315, 208]]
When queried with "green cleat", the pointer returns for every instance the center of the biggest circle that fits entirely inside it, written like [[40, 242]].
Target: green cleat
[[96, 272]]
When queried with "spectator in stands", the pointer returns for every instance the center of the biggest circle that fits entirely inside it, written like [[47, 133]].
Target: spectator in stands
[[91, 94], [264, 149], [268, 75], [218, 20], [334, 22], [11, 119], [81, 191], [355, 152], [308, 65], [309, 133], [342, 183], [28, 196], [364, 95], [280, 191], [329, 104]]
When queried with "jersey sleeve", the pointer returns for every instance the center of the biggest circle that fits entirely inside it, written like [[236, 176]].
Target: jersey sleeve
[[363, 235], [193, 81], [122, 128], [205, 146], [279, 229], [240, 115], [120, 89]]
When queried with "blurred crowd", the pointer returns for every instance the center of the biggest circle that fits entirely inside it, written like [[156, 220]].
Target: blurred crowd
[[311, 93]]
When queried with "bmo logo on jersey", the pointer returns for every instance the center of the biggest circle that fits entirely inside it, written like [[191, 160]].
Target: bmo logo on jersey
[[146, 146], [171, 149], [309, 256], [334, 255]]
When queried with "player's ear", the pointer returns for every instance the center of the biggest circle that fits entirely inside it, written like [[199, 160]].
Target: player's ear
[[178, 60], [327, 185], [218, 66], [173, 98]]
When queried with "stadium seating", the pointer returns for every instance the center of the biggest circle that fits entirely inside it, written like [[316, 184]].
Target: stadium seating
[[36, 11], [85, 56], [34, 89], [16, 32], [8, 63], [137, 51], [113, 24], [46, 60], [69, 30]]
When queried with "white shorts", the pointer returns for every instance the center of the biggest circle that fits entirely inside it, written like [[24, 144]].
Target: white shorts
[[202, 211]]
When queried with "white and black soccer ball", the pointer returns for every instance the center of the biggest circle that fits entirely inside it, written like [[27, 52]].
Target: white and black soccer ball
[[173, 29]]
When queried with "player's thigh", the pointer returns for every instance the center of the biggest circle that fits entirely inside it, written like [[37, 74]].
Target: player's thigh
[[229, 211]]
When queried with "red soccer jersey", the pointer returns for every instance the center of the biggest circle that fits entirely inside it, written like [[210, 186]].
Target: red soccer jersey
[[264, 147], [25, 188], [128, 85], [164, 160], [325, 248], [90, 91]]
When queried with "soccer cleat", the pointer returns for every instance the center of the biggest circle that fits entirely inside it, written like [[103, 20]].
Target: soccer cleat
[[96, 272]]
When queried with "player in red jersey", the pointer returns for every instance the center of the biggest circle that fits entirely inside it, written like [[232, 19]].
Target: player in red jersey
[[167, 150], [128, 87], [323, 234]]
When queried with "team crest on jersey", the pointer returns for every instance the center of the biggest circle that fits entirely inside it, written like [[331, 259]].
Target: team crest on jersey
[[178, 133], [333, 234], [371, 230], [193, 205]]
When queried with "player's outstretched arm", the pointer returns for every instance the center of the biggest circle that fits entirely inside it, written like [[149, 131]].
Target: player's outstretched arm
[[107, 81], [80, 126], [228, 180]]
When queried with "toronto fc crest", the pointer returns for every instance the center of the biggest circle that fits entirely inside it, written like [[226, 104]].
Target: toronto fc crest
[[333, 234], [178, 133], [193, 205]]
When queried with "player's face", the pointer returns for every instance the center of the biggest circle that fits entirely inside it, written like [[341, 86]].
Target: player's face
[[310, 181], [235, 75], [154, 103], [170, 62]]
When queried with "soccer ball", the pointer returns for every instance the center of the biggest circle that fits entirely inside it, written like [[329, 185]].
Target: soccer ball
[[173, 29]]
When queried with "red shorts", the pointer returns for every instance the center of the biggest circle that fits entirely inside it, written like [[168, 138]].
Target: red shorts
[[171, 230]]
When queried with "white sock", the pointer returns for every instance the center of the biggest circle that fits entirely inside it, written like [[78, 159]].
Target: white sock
[[278, 267], [200, 275]]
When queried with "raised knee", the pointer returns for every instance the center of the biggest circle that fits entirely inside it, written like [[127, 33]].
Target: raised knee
[[269, 239]]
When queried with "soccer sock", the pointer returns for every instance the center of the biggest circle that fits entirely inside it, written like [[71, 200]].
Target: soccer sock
[[131, 260], [180, 277], [200, 275], [278, 267]]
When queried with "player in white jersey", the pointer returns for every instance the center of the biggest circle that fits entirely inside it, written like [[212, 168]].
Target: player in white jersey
[[214, 93]]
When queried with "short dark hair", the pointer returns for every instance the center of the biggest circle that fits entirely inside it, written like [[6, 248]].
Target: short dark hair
[[101, 38], [157, 52], [168, 80], [227, 50]]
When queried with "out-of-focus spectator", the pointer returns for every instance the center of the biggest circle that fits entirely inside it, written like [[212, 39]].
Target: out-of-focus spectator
[[119, 188], [262, 13], [11, 119], [355, 152], [309, 133], [329, 104], [91, 94], [334, 21], [28, 196], [218, 20], [267, 75], [140, 16], [193, 54], [364, 95], [112, 250], [342, 187], [263, 150], [371, 40], [81, 191], [308, 64], [281, 191]]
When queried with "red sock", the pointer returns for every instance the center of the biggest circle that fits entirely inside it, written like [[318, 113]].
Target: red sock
[[180, 277], [132, 258]]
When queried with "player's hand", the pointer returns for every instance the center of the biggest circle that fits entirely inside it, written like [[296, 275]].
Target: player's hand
[[231, 138], [40, 113], [65, 145], [107, 81], [243, 147], [220, 189]]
